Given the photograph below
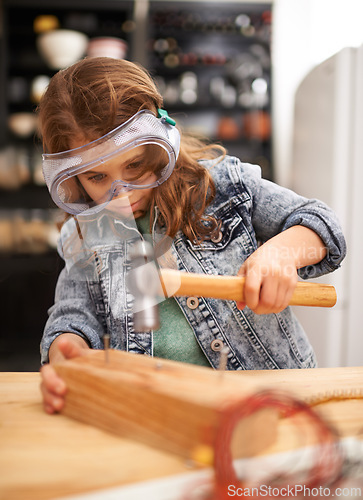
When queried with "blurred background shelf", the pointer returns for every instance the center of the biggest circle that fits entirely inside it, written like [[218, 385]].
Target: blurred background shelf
[[211, 63]]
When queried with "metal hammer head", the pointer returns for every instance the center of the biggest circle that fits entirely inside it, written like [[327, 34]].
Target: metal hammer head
[[143, 282]]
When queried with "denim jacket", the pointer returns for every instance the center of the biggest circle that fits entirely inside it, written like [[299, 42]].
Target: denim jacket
[[252, 210]]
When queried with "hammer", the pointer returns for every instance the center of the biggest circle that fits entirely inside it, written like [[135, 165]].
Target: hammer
[[143, 281], [232, 288], [150, 286]]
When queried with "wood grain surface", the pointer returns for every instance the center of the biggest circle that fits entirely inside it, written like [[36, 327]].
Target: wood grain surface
[[47, 457]]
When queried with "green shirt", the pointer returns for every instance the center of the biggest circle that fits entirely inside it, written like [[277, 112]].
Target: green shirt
[[175, 338]]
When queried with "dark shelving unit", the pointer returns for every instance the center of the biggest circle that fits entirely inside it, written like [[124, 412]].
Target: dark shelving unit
[[221, 47], [213, 65], [28, 279]]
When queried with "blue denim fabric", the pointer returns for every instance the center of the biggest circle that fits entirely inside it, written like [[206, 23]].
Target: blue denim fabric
[[252, 210]]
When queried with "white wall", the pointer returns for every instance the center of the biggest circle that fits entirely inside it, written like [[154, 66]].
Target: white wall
[[305, 32]]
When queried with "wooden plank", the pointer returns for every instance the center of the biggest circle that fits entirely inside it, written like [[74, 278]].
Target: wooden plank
[[178, 407], [173, 406]]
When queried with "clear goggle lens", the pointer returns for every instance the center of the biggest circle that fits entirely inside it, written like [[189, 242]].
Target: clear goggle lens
[[141, 167], [139, 154]]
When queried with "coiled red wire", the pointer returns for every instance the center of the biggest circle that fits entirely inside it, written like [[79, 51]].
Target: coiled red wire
[[326, 468]]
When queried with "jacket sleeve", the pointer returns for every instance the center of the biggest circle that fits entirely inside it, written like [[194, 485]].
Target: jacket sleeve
[[275, 209], [73, 312]]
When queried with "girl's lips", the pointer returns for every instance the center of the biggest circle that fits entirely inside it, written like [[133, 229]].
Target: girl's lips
[[136, 204]]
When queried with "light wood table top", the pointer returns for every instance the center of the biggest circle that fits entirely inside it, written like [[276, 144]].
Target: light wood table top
[[49, 456]]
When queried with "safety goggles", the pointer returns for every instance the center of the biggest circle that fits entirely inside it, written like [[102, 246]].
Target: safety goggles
[[139, 154]]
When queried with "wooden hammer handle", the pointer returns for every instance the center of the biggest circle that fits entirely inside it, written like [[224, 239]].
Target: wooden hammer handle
[[232, 288]]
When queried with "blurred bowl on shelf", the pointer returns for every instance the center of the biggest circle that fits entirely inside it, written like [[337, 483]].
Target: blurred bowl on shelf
[[61, 48], [107, 47], [38, 87], [22, 124]]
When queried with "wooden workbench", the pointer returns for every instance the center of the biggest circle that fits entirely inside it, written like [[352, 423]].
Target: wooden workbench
[[45, 457]]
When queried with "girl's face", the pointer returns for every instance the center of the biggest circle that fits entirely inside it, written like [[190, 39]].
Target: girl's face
[[133, 166]]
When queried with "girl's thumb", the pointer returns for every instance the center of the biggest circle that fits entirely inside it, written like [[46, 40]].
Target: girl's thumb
[[70, 349]]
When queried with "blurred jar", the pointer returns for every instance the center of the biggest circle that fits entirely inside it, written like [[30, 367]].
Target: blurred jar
[[257, 125], [107, 47]]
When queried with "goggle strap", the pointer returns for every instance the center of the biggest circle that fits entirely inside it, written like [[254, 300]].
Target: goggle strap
[[163, 114]]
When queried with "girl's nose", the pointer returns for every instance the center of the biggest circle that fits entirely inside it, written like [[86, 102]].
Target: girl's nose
[[119, 188]]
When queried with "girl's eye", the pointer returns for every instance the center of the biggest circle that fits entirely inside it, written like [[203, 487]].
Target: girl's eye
[[133, 171], [97, 178], [133, 166]]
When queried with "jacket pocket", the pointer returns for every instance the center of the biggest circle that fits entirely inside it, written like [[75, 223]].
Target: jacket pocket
[[232, 229]]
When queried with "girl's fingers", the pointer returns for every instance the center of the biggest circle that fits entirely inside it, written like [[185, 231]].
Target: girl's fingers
[[52, 386], [52, 404], [252, 290], [269, 295], [51, 381], [53, 389]]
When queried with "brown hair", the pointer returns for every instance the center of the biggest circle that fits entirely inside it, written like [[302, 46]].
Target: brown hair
[[94, 96]]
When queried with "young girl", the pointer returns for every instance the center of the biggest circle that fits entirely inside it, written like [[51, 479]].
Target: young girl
[[112, 152]]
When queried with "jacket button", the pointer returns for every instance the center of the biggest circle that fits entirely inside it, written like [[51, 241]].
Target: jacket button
[[192, 302], [216, 238], [216, 345]]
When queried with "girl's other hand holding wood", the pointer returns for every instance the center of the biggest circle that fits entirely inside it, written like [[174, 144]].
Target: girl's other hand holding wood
[[66, 346]]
